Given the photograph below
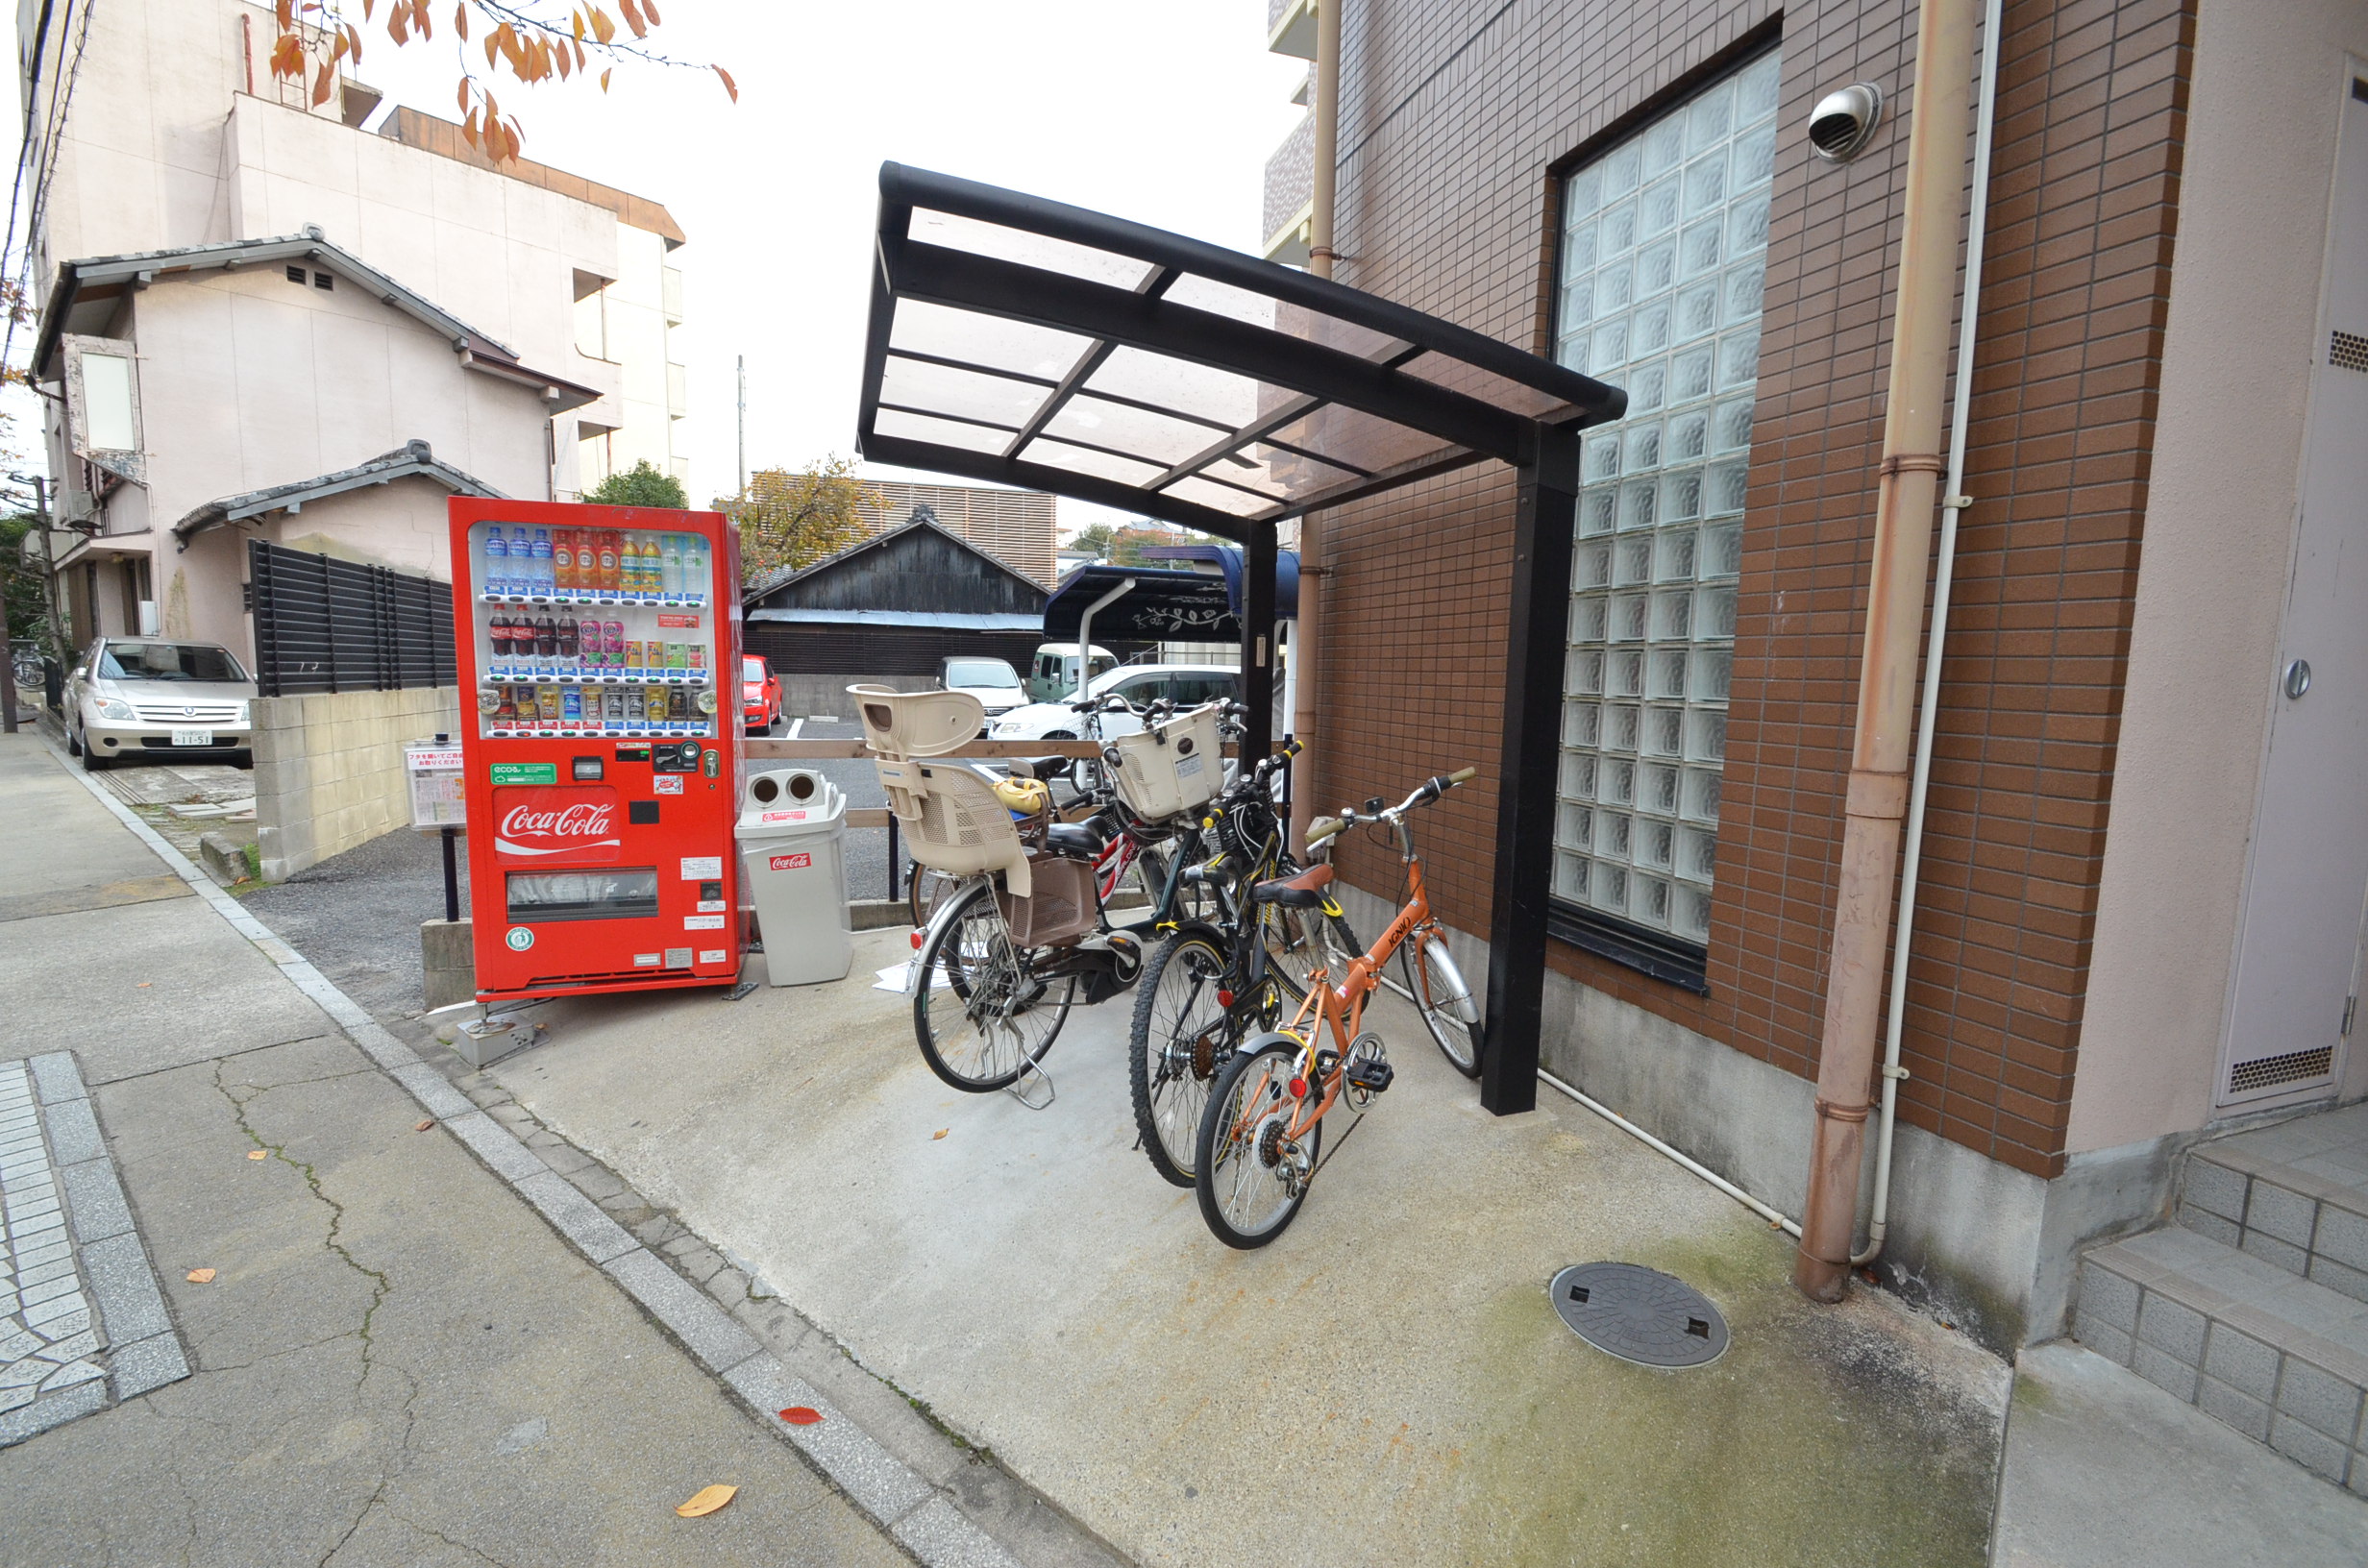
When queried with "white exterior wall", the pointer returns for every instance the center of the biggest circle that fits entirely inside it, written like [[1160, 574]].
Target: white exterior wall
[[2222, 510], [248, 380], [179, 136]]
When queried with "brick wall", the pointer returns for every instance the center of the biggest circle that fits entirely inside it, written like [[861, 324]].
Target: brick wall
[[1455, 117]]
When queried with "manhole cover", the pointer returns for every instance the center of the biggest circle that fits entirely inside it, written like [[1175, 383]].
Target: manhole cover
[[1639, 1314]]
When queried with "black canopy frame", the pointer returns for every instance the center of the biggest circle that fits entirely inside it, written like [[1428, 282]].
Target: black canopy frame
[[1354, 394]]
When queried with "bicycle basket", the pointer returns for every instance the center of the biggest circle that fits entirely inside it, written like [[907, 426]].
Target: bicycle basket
[[917, 724], [1172, 768], [1059, 910]]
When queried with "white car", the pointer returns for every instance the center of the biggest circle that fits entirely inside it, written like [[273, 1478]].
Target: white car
[[1185, 685], [151, 696], [993, 681]]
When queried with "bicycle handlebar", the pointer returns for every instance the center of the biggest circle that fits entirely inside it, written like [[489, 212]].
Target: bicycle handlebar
[[1428, 791]]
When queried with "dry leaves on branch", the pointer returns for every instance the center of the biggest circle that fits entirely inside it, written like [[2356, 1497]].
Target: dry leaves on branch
[[705, 1500], [201, 1276]]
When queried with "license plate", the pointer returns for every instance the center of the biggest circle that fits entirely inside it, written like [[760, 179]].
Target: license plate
[[193, 737]]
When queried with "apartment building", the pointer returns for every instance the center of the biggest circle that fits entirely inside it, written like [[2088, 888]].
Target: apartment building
[[2146, 849], [255, 313]]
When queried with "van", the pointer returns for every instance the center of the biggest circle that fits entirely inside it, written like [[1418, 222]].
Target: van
[[1053, 675]]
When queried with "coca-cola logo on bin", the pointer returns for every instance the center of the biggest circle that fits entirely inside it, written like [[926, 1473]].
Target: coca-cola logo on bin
[[578, 823]]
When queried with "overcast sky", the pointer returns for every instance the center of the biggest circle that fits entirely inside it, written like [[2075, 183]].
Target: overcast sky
[[1160, 110]]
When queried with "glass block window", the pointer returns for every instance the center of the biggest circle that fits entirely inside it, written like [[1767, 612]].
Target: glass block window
[[1662, 251]]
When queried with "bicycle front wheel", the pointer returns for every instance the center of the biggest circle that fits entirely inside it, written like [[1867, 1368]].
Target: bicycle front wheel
[[1249, 1177], [1460, 1042], [1182, 1033], [982, 1012]]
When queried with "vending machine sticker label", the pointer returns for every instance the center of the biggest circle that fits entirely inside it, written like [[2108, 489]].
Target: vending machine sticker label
[[526, 772], [645, 960], [666, 784], [789, 862], [685, 622], [703, 922], [520, 938], [797, 815], [713, 955], [577, 821], [712, 906], [701, 867]]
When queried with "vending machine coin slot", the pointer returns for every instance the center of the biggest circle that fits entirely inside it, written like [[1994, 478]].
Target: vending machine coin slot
[[676, 757]]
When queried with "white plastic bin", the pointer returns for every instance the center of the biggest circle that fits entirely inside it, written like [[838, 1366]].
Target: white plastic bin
[[793, 853]]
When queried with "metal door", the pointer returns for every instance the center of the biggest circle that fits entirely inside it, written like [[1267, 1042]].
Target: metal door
[[2298, 951]]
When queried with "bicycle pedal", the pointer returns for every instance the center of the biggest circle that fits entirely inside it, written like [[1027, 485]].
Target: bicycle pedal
[[1372, 1075]]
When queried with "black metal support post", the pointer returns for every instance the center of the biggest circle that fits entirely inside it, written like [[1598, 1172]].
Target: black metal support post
[[452, 878], [1545, 514], [896, 871], [1258, 643]]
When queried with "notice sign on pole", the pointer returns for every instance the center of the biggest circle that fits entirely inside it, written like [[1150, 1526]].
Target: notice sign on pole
[[437, 799]]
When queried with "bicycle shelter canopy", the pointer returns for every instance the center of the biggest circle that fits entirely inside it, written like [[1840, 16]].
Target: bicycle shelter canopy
[[1031, 343]]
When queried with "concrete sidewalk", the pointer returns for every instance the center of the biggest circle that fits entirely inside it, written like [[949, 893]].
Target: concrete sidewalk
[[395, 1359]]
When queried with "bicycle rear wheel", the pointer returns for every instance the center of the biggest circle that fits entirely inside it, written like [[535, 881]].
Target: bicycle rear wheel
[[925, 888], [1182, 1034], [1460, 1042], [1299, 941], [1250, 1180], [982, 1014]]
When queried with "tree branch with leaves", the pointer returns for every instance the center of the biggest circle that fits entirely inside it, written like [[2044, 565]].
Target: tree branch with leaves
[[533, 40], [795, 519]]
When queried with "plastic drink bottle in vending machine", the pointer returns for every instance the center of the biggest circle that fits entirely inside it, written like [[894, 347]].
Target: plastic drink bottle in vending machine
[[694, 569], [607, 584], [612, 636], [670, 569], [495, 579], [563, 560]]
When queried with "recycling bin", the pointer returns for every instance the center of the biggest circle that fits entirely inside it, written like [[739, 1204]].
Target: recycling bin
[[793, 839]]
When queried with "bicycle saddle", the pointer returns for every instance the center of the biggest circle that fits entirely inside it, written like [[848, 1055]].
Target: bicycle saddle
[[1304, 890], [1085, 839]]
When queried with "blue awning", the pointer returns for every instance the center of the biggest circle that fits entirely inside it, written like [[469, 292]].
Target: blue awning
[[1227, 559]]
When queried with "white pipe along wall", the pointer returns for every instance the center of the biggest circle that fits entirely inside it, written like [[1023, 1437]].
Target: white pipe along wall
[[1953, 503]]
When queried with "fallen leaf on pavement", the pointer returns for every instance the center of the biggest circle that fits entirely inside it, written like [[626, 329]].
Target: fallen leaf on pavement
[[801, 1415], [259, 1154], [425, 1125], [706, 1500], [201, 1276], [940, 1133], [144, 984]]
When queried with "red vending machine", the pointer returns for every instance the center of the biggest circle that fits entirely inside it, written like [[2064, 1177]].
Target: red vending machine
[[604, 759]]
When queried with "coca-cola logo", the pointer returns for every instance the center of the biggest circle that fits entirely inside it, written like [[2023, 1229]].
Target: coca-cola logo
[[581, 823]]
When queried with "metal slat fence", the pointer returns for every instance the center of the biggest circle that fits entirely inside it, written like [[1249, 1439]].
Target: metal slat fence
[[323, 625]]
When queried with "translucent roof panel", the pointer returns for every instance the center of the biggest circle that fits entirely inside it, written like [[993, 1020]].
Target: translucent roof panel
[[1024, 342]]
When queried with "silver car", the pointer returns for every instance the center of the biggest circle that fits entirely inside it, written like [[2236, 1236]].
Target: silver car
[[150, 697]]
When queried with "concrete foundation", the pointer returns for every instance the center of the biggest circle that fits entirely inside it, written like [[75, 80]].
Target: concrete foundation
[[449, 958]]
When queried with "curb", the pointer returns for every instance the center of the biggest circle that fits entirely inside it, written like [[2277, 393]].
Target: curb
[[890, 1492]]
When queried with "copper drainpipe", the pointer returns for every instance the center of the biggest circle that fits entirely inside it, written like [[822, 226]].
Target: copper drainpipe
[[1906, 499], [1325, 158]]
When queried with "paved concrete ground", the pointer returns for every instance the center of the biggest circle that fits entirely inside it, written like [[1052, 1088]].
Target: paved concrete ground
[[397, 1361], [2105, 1470], [1386, 1383], [356, 917]]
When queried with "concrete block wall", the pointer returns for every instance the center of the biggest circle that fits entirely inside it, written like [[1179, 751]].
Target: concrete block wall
[[329, 769]]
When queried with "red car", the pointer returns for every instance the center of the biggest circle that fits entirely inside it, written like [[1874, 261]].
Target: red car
[[761, 694]]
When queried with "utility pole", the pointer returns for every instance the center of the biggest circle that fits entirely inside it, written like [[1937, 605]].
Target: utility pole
[[743, 362]]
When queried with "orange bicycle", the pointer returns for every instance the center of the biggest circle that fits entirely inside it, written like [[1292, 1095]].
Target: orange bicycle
[[1263, 1130]]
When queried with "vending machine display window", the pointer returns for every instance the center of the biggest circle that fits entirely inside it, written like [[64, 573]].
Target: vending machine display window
[[626, 893], [594, 631]]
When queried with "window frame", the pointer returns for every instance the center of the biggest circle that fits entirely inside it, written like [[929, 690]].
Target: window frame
[[1664, 955]]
